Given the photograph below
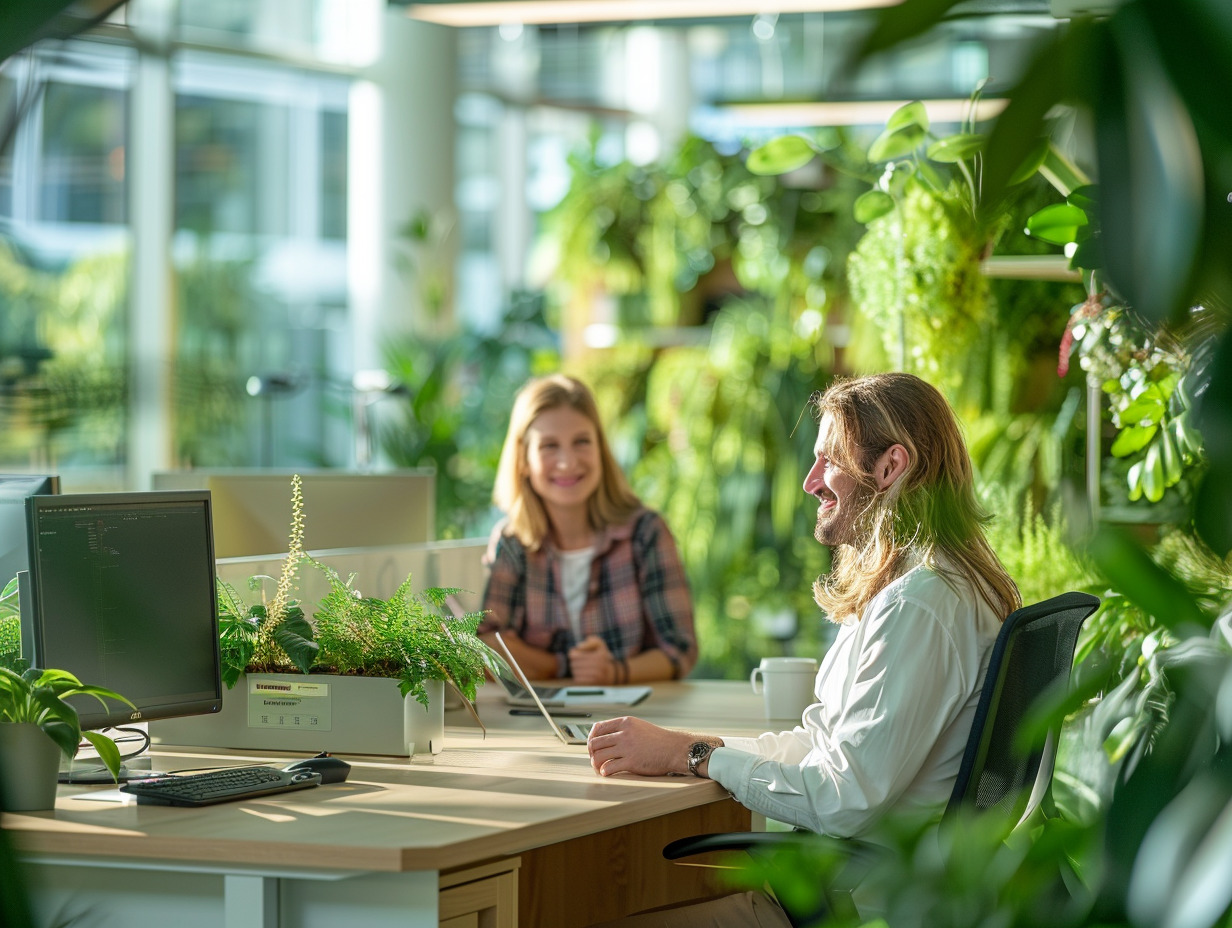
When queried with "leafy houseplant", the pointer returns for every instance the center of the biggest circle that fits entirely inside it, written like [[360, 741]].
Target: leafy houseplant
[[35, 719], [408, 637]]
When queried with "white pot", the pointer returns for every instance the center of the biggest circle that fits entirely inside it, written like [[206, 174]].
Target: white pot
[[423, 728], [29, 766]]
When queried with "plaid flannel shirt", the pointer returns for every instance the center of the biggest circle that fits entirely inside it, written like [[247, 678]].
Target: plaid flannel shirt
[[638, 598]]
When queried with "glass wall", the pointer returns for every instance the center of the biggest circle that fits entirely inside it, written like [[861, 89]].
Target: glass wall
[[260, 255], [63, 261], [259, 337]]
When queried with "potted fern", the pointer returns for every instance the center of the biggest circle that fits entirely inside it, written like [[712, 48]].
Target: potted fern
[[332, 680], [37, 725]]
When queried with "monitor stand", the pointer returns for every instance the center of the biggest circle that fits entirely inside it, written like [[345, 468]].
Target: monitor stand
[[87, 770]]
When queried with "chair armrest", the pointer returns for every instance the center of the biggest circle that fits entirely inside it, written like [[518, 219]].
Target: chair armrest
[[727, 841]]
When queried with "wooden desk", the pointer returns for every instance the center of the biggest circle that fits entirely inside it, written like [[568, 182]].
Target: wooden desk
[[404, 843]]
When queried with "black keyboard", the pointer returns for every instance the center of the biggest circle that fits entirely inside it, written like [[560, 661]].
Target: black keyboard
[[203, 789]]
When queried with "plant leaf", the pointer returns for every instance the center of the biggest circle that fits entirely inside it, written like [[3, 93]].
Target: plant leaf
[[781, 155], [294, 636], [956, 148], [909, 114], [897, 23], [1057, 224], [1213, 416], [1143, 582], [1086, 197], [1045, 83], [1150, 405], [1149, 153], [108, 753], [1031, 163], [930, 177], [896, 143], [1131, 439], [1087, 255], [872, 204]]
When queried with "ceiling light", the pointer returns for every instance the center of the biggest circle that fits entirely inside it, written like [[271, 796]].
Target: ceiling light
[[542, 12]]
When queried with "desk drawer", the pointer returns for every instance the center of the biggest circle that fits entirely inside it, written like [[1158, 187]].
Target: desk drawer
[[481, 897]]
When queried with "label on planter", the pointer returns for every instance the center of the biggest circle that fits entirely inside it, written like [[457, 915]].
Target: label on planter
[[289, 704]]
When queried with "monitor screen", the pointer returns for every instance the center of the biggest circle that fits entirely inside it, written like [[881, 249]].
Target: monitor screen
[[122, 596], [252, 508], [14, 488]]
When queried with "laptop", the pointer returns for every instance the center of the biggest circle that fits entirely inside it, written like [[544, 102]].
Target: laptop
[[567, 732], [559, 697]]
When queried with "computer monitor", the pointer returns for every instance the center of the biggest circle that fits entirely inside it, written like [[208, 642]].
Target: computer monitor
[[14, 488], [252, 508], [122, 596]]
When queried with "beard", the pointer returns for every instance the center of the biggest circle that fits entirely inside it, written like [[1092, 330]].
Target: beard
[[849, 523]]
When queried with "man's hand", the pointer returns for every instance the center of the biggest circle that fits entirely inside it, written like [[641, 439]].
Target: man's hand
[[590, 662], [632, 745]]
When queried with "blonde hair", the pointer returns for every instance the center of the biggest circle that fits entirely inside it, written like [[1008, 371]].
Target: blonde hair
[[613, 503], [929, 515]]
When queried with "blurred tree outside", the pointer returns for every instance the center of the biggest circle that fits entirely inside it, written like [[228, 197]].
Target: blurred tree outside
[[64, 366]]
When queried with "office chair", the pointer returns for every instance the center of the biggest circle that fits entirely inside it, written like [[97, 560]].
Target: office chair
[[1034, 648]]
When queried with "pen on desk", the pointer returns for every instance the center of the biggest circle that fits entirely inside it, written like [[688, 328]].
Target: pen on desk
[[555, 715]]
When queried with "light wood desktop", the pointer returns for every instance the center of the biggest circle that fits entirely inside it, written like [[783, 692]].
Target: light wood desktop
[[511, 822]]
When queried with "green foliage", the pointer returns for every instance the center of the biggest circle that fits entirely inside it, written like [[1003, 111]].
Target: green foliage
[[38, 697], [255, 637], [726, 446], [63, 361], [1149, 849], [215, 342], [456, 412], [667, 233], [1147, 375], [409, 636], [10, 625], [1035, 549], [61, 356], [915, 278]]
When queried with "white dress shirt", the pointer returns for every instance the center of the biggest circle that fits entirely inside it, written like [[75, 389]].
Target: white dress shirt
[[896, 695]]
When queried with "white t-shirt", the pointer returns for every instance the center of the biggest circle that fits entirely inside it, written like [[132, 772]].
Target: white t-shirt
[[575, 583], [896, 692]]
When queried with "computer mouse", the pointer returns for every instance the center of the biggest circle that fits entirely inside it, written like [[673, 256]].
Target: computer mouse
[[331, 769]]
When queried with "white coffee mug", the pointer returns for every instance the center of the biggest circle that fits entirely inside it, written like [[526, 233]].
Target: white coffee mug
[[786, 684]]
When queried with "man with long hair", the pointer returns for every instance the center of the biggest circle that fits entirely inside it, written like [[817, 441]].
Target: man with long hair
[[919, 597]]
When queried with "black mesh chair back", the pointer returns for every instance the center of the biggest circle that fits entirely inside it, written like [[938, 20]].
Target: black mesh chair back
[[1034, 649]]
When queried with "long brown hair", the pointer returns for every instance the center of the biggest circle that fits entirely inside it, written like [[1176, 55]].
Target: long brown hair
[[613, 503], [929, 515]]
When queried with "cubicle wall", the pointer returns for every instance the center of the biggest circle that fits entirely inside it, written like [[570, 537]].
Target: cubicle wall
[[378, 570], [252, 508]]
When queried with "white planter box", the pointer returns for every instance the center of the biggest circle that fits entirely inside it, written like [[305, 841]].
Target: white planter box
[[306, 713]]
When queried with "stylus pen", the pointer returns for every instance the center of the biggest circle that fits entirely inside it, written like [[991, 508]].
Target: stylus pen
[[555, 715]]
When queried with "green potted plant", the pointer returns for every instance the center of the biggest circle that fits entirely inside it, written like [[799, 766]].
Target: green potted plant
[[35, 721], [331, 681]]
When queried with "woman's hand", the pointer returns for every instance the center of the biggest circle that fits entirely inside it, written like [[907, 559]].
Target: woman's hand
[[633, 745], [591, 663]]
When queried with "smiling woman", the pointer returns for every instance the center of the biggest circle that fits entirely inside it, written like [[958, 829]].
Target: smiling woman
[[586, 578]]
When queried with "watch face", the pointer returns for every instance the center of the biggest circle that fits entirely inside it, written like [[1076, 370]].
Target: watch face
[[698, 752]]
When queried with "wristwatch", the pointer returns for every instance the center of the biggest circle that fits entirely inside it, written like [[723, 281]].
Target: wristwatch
[[698, 752]]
